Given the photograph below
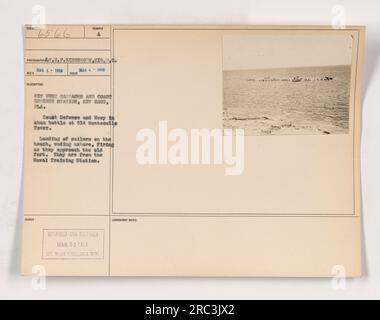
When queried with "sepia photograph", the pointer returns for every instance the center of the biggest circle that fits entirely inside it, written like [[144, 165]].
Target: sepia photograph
[[291, 84]]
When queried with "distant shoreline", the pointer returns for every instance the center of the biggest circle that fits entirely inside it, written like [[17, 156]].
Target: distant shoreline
[[292, 68]]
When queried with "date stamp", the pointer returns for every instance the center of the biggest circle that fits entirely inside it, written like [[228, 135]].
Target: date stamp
[[73, 244]]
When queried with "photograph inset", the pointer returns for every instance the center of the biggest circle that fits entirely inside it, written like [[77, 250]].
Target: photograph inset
[[295, 84]]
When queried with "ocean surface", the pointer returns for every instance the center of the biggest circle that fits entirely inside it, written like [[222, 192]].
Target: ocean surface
[[313, 100]]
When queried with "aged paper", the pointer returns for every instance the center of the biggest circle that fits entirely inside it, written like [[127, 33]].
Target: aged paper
[[192, 150]]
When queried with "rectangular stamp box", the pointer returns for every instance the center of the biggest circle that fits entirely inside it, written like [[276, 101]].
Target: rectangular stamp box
[[73, 244]]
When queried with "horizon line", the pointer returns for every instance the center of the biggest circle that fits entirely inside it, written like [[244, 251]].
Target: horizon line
[[297, 67]]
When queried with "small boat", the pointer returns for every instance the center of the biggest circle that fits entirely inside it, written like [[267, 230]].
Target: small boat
[[296, 79]]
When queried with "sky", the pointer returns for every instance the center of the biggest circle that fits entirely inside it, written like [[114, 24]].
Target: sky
[[285, 51]]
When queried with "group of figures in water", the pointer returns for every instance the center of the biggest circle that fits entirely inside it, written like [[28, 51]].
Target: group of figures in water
[[295, 79]]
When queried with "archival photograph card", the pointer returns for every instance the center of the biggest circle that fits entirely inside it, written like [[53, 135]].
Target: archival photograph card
[[192, 150]]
